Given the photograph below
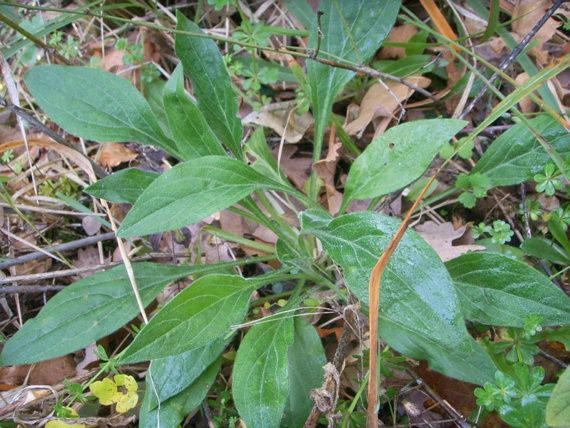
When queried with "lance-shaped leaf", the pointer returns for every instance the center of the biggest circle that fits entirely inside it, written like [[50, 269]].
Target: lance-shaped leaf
[[261, 374], [192, 191], [417, 296], [306, 358], [352, 31], [200, 314], [88, 310], [172, 412], [205, 67], [497, 290], [516, 156], [397, 158], [172, 375], [96, 105], [190, 131], [122, 186]]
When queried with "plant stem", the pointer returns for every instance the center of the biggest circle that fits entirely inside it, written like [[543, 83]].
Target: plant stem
[[266, 248]]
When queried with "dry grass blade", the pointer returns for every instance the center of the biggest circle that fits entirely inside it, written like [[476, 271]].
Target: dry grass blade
[[374, 307]]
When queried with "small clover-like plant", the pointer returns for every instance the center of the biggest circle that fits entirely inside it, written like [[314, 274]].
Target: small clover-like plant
[[493, 395], [474, 186], [501, 232], [122, 392], [465, 149], [533, 208], [134, 55], [67, 49], [548, 181], [520, 399], [562, 216]]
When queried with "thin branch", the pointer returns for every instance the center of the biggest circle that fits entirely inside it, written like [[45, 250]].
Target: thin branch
[[513, 55], [22, 289], [374, 74], [80, 243]]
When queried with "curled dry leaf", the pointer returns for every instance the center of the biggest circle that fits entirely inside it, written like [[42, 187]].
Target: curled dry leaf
[[383, 100], [113, 154], [282, 119], [440, 238]]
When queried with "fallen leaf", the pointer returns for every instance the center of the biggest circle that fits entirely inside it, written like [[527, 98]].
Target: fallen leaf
[[297, 169], [113, 154], [440, 238], [383, 100], [325, 170], [52, 371], [282, 119], [399, 34], [525, 16]]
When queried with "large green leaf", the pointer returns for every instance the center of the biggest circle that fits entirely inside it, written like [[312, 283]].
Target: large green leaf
[[192, 191], [190, 131], [96, 105], [122, 186], [306, 358], [497, 290], [200, 314], [398, 157], [172, 412], [88, 310], [545, 249], [261, 373], [172, 375], [420, 312], [558, 407], [205, 67], [516, 156], [353, 30], [475, 366]]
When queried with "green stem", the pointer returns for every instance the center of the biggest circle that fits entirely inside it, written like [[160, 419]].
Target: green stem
[[227, 236]]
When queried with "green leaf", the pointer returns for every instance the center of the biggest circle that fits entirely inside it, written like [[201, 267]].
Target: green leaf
[[497, 290], [306, 360], [420, 313], [204, 65], [545, 249], [122, 186], [96, 105], [397, 158], [190, 192], [516, 156], [173, 411], [407, 66], [474, 366], [172, 375], [190, 131], [301, 10], [353, 30], [153, 94], [86, 311], [261, 374], [260, 157], [197, 316]]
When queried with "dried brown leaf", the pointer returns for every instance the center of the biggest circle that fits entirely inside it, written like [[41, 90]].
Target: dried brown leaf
[[440, 238], [113, 154], [383, 100]]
